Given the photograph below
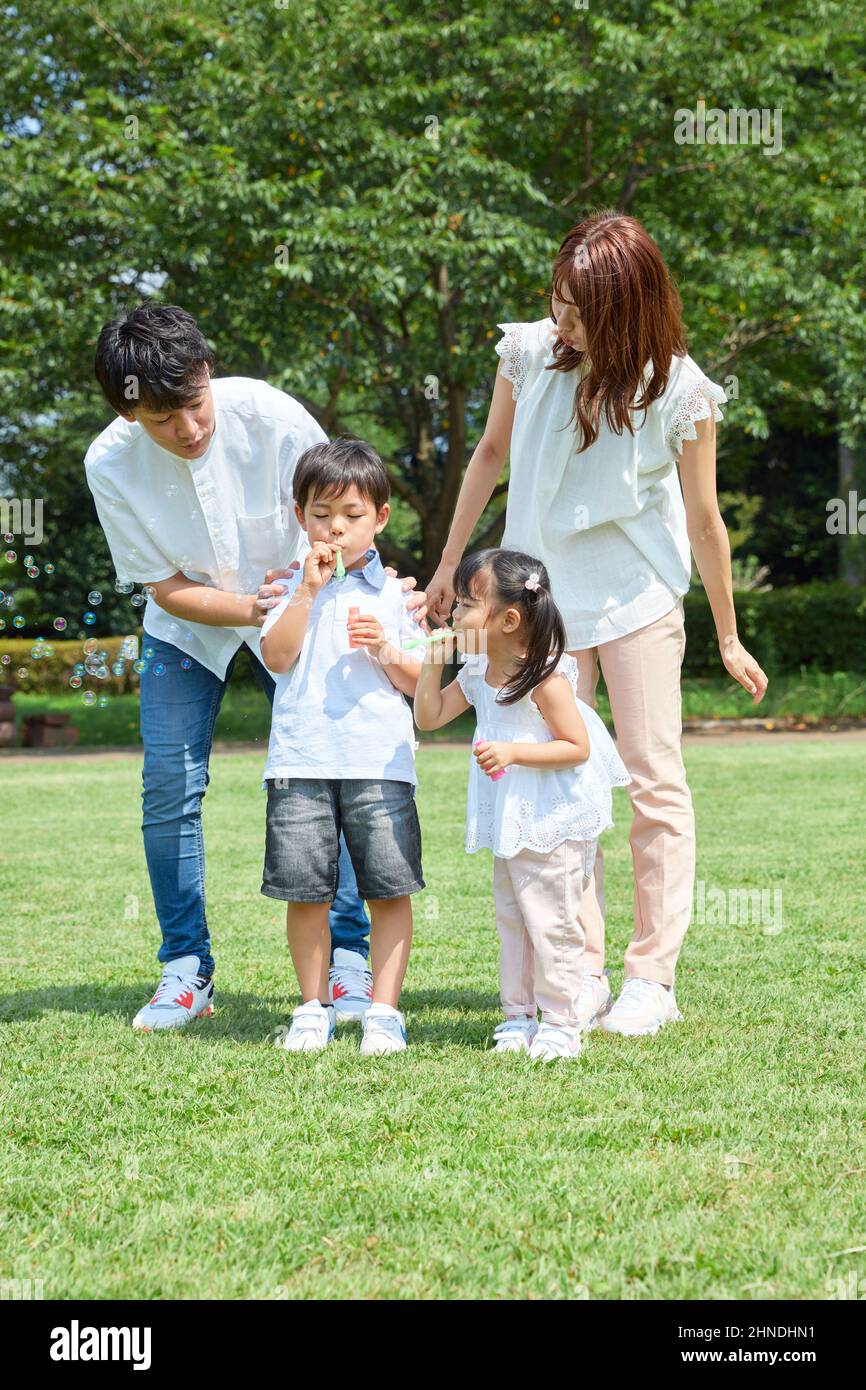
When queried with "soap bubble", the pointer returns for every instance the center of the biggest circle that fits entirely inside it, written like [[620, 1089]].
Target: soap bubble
[[94, 598], [9, 538], [18, 620], [139, 666], [159, 668], [148, 653], [60, 624], [49, 568], [102, 673], [88, 698], [2, 595], [75, 682], [117, 668], [90, 646], [88, 618], [124, 586], [10, 557], [149, 590], [47, 649], [28, 560], [33, 571], [5, 658], [102, 701], [36, 652], [2, 624], [137, 600], [186, 663], [23, 673]]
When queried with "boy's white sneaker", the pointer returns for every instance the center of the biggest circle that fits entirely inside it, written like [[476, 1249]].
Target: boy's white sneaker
[[554, 1040], [515, 1034], [644, 1006], [593, 1002], [384, 1031], [312, 1028], [350, 985], [181, 996]]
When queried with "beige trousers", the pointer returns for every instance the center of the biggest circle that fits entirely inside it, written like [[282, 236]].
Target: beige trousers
[[642, 675], [537, 901]]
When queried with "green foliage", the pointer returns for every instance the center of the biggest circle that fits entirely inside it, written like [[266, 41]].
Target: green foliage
[[817, 626]]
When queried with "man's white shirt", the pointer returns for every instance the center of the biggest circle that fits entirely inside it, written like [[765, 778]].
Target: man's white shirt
[[223, 519]]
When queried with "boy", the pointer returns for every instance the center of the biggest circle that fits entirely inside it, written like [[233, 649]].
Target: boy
[[342, 746]]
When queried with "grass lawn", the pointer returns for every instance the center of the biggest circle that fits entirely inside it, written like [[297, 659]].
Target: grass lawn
[[722, 1159]]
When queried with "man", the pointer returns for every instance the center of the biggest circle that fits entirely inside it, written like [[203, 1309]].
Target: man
[[193, 489]]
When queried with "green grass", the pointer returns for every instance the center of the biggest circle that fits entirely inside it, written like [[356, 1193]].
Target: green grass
[[244, 712], [722, 1159]]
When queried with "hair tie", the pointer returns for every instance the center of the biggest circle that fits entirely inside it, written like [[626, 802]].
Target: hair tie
[[532, 582]]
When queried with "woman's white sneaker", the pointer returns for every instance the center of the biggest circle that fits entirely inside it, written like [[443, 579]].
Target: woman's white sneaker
[[384, 1031], [350, 985], [593, 1002], [553, 1041], [312, 1028], [181, 996], [515, 1034], [644, 1006]]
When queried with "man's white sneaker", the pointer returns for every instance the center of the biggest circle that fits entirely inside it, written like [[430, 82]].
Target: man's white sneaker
[[181, 996], [384, 1031], [554, 1040], [515, 1034], [312, 1028], [593, 1001], [642, 1007], [350, 985]]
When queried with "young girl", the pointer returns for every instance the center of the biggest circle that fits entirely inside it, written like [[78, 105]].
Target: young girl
[[539, 786], [609, 426]]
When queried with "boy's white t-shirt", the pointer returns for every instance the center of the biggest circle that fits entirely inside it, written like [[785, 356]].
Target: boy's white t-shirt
[[336, 713]]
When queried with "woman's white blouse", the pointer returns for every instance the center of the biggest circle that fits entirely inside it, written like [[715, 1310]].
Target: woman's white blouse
[[609, 523], [536, 808]]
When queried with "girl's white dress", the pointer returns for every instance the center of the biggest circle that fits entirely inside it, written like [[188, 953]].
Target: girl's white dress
[[534, 807]]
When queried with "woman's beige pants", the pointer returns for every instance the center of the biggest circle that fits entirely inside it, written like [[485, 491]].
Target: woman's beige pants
[[642, 675]]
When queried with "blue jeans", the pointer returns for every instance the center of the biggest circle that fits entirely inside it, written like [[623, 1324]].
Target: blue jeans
[[179, 706]]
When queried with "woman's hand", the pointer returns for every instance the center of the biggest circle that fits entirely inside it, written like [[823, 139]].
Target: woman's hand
[[416, 604], [743, 667], [494, 757], [440, 594]]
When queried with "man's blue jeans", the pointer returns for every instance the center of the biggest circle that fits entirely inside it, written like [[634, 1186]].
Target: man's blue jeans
[[179, 706]]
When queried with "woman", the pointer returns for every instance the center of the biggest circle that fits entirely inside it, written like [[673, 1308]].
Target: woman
[[596, 404]]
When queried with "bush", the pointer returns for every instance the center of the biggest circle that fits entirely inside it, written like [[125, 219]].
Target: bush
[[814, 625], [49, 675]]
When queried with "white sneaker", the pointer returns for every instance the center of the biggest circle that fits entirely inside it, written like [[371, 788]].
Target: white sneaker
[[593, 1001], [312, 1028], [181, 996], [350, 985], [642, 1007], [384, 1031], [515, 1034], [554, 1040]]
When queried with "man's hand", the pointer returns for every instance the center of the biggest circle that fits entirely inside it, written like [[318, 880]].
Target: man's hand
[[416, 604]]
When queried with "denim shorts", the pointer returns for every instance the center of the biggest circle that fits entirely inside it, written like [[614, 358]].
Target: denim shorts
[[302, 850]]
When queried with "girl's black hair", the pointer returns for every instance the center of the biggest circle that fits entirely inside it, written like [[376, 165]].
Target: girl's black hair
[[508, 571], [156, 356]]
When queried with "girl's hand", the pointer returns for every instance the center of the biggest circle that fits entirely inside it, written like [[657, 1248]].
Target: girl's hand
[[440, 594], [440, 651], [320, 565], [743, 667], [367, 631], [493, 757]]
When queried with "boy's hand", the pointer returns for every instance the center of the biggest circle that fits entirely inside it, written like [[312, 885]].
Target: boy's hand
[[320, 565], [493, 757], [367, 631]]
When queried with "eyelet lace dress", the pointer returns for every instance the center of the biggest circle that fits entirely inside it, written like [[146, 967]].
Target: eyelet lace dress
[[536, 808]]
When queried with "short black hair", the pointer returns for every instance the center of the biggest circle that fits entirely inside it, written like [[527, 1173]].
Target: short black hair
[[154, 356], [334, 466]]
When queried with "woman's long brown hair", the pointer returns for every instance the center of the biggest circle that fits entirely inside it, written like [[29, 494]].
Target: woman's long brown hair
[[610, 267]]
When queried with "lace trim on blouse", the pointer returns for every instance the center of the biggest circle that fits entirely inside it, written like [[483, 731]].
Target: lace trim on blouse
[[697, 404], [512, 349]]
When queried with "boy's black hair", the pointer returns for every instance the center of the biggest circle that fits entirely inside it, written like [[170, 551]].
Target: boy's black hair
[[334, 466], [506, 572], [154, 356]]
